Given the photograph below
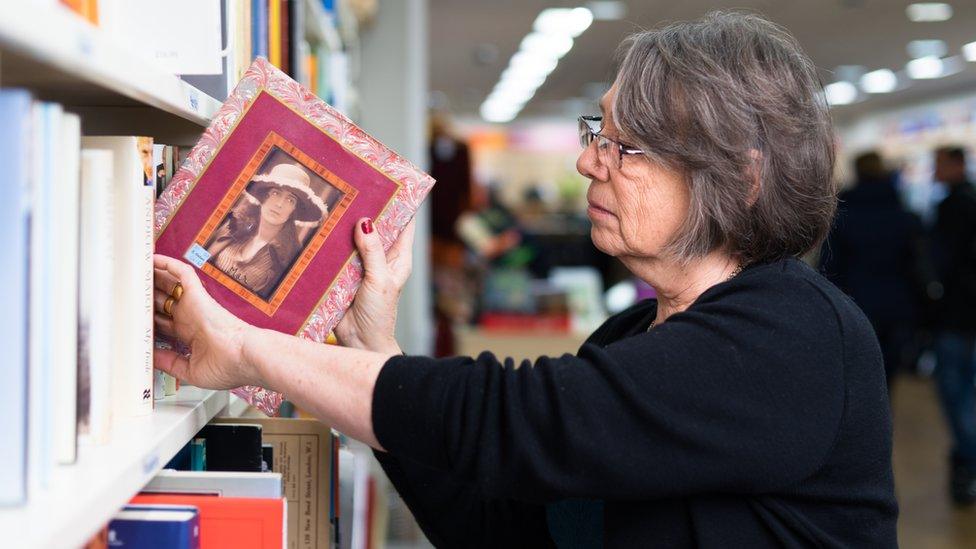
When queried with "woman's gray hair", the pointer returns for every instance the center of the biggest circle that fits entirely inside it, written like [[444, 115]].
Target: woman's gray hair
[[725, 99]]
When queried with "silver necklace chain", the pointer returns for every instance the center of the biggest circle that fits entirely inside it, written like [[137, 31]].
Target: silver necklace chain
[[735, 272]]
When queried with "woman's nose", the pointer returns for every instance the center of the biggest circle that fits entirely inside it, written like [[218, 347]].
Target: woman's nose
[[589, 166]]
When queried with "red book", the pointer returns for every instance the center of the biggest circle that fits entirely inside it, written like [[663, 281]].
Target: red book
[[266, 205], [239, 523]]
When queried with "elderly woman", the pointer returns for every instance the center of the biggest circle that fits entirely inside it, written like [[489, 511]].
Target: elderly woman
[[259, 241], [745, 407]]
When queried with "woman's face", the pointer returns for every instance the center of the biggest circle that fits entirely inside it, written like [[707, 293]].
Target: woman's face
[[635, 209], [278, 207]]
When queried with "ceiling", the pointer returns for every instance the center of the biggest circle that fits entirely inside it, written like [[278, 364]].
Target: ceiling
[[872, 33]]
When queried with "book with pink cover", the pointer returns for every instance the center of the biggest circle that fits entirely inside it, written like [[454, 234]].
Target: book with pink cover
[[265, 208]]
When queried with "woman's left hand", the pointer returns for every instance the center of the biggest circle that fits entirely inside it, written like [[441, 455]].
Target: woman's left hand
[[214, 335], [370, 323]]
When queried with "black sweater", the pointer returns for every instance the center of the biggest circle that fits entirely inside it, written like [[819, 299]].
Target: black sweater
[[756, 418]]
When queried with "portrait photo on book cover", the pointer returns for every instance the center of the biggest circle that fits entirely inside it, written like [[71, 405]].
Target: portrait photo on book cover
[[271, 223]]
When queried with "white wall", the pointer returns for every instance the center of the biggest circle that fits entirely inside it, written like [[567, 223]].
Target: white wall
[[393, 97]]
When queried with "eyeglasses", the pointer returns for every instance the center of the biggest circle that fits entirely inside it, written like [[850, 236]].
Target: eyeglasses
[[610, 151]]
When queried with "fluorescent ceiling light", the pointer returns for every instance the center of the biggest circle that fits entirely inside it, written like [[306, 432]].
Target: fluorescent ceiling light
[[925, 68], [578, 20], [926, 12], [607, 10], [547, 45], [969, 52], [925, 48], [569, 22], [840, 93], [494, 112], [532, 63], [879, 81]]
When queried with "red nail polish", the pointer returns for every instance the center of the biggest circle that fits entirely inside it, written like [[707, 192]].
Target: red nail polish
[[367, 226]]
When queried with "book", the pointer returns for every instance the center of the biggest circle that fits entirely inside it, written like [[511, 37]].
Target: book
[[134, 186], [259, 28], [272, 141], [216, 483], [241, 523], [302, 450], [155, 527], [233, 447], [96, 336], [45, 126], [179, 36], [15, 142], [63, 330]]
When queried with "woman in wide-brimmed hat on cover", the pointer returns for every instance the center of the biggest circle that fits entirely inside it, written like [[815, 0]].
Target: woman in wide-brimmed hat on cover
[[260, 238]]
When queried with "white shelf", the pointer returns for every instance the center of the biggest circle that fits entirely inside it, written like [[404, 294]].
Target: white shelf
[[83, 497], [63, 58]]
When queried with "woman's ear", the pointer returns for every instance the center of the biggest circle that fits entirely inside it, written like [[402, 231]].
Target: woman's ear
[[754, 172]]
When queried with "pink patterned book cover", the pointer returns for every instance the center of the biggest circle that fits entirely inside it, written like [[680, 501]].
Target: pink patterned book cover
[[266, 204]]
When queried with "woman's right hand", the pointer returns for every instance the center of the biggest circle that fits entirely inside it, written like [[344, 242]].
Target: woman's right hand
[[370, 323], [215, 336]]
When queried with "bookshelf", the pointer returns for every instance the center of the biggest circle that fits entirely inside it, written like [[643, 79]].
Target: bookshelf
[[62, 58], [86, 495]]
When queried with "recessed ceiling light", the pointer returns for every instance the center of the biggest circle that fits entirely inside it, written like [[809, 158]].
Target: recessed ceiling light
[[607, 10], [969, 51], [879, 81], [840, 93], [924, 48], [925, 68], [926, 12]]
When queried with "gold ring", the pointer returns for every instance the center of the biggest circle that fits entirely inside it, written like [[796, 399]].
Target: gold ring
[[168, 305], [177, 292]]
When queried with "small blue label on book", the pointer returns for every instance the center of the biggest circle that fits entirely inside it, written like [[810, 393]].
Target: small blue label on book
[[197, 255]]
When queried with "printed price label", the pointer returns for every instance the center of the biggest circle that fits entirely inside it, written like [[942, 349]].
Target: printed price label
[[197, 255]]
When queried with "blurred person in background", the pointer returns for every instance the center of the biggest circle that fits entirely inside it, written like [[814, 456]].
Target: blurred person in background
[[954, 243], [874, 254], [744, 407], [450, 165]]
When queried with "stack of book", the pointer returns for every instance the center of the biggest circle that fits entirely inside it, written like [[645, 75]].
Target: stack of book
[[263, 483], [78, 234]]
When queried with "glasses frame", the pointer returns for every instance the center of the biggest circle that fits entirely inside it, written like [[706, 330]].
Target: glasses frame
[[587, 134]]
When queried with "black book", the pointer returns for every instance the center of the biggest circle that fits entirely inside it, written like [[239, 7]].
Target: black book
[[233, 447]]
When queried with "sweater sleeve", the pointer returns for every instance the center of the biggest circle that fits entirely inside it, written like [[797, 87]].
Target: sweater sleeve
[[742, 392], [453, 513]]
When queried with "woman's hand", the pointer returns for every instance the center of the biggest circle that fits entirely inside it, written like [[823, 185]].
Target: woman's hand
[[214, 335], [370, 323]]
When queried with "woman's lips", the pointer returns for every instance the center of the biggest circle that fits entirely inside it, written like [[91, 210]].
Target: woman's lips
[[596, 210]]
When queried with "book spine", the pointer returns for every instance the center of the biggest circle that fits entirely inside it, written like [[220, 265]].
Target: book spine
[[15, 110], [146, 242], [259, 28], [97, 292], [274, 32], [285, 36], [64, 320]]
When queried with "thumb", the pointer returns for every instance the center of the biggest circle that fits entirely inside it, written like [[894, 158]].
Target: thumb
[[370, 249], [171, 362]]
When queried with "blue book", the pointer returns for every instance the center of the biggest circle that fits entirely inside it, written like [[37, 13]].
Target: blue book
[[155, 527], [259, 28], [15, 111]]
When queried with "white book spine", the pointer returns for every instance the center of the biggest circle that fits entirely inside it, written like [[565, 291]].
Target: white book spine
[[15, 109], [145, 377], [132, 378], [97, 289], [45, 127], [64, 322]]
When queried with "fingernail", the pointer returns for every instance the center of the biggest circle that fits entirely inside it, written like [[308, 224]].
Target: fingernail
[[367, 226]]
